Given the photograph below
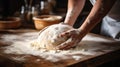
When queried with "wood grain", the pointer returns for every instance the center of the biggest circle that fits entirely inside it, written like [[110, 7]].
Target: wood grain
[[7, 60]]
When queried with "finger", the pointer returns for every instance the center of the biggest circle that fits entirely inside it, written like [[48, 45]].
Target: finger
[[69, 33], [71, 45], [65, 34], [71, 42], [66, 45]]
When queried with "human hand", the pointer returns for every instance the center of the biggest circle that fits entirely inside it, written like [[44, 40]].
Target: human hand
[[73, 39]]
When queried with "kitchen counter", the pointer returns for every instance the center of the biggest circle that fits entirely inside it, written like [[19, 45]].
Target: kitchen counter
[[109, 50]]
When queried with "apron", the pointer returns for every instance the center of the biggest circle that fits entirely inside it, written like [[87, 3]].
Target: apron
[[111, 22]]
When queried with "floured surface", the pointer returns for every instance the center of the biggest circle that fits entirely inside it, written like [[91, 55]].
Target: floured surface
[[19, 44]]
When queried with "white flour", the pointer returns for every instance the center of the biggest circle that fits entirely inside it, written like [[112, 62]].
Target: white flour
[[22, 45]]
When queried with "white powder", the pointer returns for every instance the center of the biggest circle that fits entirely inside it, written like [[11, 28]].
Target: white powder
[[22, 45], [76, 57], [38, 60], [19, 58]]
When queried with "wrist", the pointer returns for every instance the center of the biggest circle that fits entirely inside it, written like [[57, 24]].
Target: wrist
[[82, 33]]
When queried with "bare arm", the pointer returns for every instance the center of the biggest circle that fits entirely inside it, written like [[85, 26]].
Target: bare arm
[[99, 10], [74, 8]]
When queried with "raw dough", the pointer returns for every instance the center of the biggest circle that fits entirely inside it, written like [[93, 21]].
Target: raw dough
[[48, 38]]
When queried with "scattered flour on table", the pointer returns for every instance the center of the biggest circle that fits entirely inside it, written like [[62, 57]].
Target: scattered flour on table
[[22, 45], [52, 55], [19, 58]]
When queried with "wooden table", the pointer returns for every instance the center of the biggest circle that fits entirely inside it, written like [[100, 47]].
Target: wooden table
[[103, 55]]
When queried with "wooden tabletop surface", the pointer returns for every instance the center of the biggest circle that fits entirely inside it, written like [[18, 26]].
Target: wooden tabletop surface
[[110, 52]]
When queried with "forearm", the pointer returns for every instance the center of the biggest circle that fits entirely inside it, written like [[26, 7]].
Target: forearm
[[74, 9], [99, 10]]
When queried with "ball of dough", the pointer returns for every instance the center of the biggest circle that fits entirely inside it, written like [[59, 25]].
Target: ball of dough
[[48, 38]]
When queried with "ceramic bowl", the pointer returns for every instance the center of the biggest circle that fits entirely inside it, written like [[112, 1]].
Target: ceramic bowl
[[42, 21], [10, 22]]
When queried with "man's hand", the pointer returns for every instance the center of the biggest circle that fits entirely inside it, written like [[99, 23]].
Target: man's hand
[[73, 39]]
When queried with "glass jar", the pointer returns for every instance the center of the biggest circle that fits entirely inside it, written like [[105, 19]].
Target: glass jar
[[45, 7], [27, 14]]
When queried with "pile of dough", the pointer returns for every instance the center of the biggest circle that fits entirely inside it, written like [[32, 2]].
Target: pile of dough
[[48, 38]]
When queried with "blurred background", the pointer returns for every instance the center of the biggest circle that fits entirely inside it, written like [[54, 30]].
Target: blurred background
[[26, 9]]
